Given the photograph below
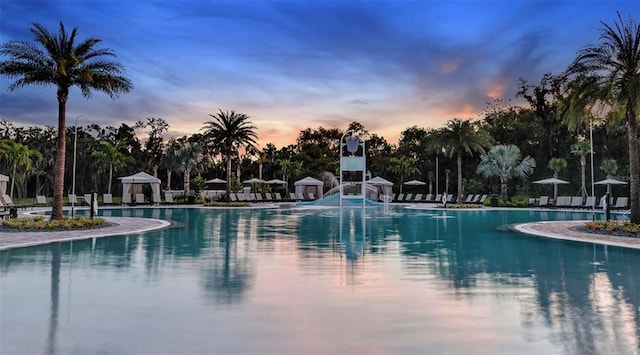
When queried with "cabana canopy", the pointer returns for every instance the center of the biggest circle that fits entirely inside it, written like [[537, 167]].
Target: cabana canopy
[[310, 185], [4, 179], [131, 184], [383, 186]]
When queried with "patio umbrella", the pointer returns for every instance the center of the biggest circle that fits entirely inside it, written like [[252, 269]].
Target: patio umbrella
[[415, 183], [253, 181], [550, 181], [610, 182], [553, 181], [276, 182], [216, 181]]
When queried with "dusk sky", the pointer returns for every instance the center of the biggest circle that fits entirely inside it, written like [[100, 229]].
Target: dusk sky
[[290, 65]]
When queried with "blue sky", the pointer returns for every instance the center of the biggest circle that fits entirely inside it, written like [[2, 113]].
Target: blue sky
[[297, 64]]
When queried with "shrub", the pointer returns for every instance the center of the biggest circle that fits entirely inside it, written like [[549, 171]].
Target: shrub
[[41, 223], [615, 227]]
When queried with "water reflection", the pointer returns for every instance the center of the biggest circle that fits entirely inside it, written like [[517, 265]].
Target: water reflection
[[587, 297]]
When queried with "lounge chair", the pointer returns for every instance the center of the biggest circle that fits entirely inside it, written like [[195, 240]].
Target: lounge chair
[[300, 196], [42, 200], [621, 203], [156, 199], [543, 201], [126, 199], [576, 201], [417, 198], [482, 198], [73, 199], [168, 197], [400, 197], [277, 196], [428, 198], [563, 201], [233, 197], [450, 198], [87, 199], [292, 196], [469, 198], [407, 197], [107, 199], [590, 202], [268, 196], [312, 196]]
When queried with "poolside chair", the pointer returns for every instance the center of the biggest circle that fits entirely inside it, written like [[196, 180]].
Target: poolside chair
[[469, 198], [543, 201], [140, 198], [400, 197], [300, 196], [407, 197], [107, 199], [233, 197], [156, 199], [590, 202], [292, 196], [87, 199], [126, 199], [417, 198], [428, 198], [73, 199], [576, 201], [563, 201], [277, 196], [482, 198], [168, 198], [449, 198], [312, 196], [41, 200], [621, 203]]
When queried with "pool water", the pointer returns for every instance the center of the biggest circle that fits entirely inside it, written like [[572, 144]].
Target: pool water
[[309, 281]]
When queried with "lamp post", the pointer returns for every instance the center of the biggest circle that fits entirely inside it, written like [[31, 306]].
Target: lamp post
[[593, 195], [73, 179]]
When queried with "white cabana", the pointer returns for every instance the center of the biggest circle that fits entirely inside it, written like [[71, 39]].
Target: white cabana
[[4, 179], [383, 186], [133, 184], [309, 185]]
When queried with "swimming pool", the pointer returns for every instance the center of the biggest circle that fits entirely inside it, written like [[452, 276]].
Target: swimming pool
[[322, 281]]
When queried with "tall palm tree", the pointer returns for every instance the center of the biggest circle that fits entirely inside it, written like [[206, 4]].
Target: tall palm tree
[[18, 156], [190, 155], [556, 164], [505, 162], [170, 159], [229, 131], [582, 149], [113, 158], [608, 74], [460, 137], [60, 61]]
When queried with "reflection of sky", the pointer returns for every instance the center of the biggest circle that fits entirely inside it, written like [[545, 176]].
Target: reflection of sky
[[250, 282], [297, 64]]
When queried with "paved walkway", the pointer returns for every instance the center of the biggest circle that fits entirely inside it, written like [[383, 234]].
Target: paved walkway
[[568, 230], [117, 226]]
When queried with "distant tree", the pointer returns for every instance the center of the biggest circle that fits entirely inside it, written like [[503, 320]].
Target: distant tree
[[556, 164], [62, 63], [154, 147], [113, 158], [608, 74], [582, 149], [229, 131], [402, 166], [189, 155], [505, 162], [170, 159], [19, 157]]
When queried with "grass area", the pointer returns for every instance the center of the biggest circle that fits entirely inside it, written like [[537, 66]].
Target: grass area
[[40, 223]]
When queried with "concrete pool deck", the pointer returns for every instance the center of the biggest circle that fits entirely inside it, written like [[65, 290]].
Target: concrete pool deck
[[564, 230]]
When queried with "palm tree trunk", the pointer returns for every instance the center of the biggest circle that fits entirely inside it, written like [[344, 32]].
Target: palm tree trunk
[[634, 169], [583, 165], [110, 178], [228, 177], [504, 192], [58, 180], [187, 181], [169, 179], [13, 179], [459, 176]]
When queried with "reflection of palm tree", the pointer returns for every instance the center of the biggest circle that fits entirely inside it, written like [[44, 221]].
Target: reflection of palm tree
[[56, 257], [229, 277]]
